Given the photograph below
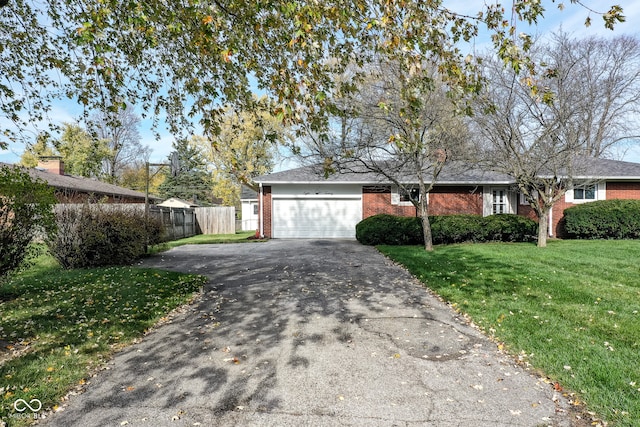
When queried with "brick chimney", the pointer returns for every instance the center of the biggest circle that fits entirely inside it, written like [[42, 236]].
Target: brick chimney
[[52, 164]]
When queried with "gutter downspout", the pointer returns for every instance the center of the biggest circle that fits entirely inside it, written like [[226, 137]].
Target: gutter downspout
[[261, 212], [550, 226]]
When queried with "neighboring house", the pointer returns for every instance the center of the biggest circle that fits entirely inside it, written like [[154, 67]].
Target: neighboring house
[[175, 202], [76, 189], [302, 203], [249, 203]]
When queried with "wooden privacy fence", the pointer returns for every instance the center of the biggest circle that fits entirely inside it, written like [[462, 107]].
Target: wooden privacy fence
[[216, 220], [178, 222]]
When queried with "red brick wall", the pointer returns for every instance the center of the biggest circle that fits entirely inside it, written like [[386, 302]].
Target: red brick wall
[[378, 201], [266, 210], [623, 190], [442, 201], [455, 200]]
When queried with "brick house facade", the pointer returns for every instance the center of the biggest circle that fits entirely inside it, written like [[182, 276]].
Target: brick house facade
[[340, 201]]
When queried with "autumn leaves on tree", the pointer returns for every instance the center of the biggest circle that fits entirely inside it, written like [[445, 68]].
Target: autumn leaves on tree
[[203, 61]]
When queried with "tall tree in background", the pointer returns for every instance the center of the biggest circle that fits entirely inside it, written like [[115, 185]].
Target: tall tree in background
[[192, 181], [194, 61], [544, 140], [43, 147], [244, 147], [82, 154], [134, 176], [121, 133]]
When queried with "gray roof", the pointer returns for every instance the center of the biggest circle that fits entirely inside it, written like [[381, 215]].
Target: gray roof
[[82, 185], [248, 193], [454, 173]]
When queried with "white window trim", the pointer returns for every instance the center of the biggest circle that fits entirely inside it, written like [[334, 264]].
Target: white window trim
[[523, 199], [601, 194], [487, 199], [395, 197]]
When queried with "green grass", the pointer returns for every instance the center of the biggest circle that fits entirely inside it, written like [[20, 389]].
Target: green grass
[[571, 310], [66, 324], [201, 239]]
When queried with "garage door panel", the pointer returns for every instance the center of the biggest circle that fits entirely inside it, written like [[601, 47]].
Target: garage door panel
[[316, 218]]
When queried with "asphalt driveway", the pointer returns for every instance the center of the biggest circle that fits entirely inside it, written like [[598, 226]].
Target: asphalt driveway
[[310, 333]]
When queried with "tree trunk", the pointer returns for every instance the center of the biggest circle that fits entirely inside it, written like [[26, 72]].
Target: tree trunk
[[543, 228], [426, 225]]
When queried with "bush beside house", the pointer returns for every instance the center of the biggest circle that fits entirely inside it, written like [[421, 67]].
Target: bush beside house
[[605, 219], [94, 236], [384, 229]]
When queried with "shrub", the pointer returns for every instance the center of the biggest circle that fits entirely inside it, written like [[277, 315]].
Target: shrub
[[604, 219], [394, 230], [389, 230], [509, 228], [25, 213], [456, 228], [97, 235]]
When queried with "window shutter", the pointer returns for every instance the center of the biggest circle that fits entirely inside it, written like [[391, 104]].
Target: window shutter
[[395, 196], [602, 191]]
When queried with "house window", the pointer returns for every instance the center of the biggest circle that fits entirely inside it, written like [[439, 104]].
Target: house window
[[500, 202], [412, 194], [586, 192], [255, 209]]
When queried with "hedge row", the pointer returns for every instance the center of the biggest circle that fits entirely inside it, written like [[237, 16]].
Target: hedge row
[[605, 219], [94, 236], [386, 229]]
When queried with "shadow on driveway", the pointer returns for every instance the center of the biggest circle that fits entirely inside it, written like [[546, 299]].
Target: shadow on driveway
[[295, 332]]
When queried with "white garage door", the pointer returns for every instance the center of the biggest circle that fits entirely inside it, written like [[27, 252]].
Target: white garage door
[[316, 218]]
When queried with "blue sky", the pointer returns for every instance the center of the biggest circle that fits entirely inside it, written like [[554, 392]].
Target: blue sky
[[571, 20]]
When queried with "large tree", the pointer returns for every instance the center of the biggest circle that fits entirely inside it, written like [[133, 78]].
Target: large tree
[[193, 58], [192, 180], [400, 125], [83, 154], [120, 132], [542, 138], [244, 147]]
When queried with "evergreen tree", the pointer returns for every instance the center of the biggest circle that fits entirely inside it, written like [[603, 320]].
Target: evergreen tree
[[192, 182]]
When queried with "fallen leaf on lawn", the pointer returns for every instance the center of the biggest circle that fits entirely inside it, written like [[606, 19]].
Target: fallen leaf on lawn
[[557, 386]]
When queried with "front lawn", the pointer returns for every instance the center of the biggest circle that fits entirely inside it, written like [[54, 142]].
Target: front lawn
[[571, 310], [204, 239], [58, 326]]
